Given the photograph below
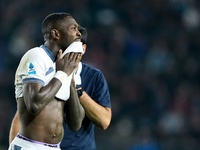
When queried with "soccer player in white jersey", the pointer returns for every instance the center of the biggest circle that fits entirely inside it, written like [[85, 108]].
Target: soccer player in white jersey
[[40, 74]]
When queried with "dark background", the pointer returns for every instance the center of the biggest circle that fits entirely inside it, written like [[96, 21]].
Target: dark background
[[149, 52]]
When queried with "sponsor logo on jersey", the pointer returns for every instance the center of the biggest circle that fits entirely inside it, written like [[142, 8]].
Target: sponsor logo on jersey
[[31, 69]]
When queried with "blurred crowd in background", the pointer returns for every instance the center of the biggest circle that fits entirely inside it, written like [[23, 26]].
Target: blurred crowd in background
[[148, 50]]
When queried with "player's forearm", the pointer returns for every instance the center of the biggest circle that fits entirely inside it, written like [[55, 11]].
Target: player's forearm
[[99, 115], [36, 96], [15, 127], [73, 110]]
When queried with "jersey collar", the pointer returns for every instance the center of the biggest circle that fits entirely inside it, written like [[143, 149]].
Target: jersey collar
[[49, 53]]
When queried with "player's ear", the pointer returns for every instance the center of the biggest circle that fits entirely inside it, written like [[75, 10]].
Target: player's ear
[[55, 34], [84, 48]]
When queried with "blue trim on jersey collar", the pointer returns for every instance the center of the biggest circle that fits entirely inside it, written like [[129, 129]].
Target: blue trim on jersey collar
[[49, 53]]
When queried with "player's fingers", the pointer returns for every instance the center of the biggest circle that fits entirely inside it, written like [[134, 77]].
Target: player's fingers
[[79, 56], [67, 56], [75, 56], [72, 55]]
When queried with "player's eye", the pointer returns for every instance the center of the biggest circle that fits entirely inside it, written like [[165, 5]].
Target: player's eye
[[73, 28]]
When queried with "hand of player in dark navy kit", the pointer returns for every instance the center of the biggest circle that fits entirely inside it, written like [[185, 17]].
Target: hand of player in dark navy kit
[[68, 63]]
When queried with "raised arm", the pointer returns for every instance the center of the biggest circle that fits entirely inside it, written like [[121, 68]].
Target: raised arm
[[73, 110], [36, 97], [99, 115]]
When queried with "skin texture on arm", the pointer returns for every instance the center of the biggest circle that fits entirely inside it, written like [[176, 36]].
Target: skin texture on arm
[[15, 127], [73, 116], [99, 115], [36, 97]]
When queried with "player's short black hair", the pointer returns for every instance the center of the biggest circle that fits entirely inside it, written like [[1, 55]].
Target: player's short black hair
[[84, 34], [53, 20]]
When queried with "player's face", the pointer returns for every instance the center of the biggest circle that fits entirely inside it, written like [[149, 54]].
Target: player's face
[[69, 33]]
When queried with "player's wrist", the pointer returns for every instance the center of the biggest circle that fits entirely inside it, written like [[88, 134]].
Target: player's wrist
[[60, 75]]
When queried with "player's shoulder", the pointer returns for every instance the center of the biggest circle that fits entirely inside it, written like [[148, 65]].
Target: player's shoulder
[[33, 51], [90, 71], [90, 68]]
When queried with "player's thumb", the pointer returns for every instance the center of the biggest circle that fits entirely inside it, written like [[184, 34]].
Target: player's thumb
[[59, 55]]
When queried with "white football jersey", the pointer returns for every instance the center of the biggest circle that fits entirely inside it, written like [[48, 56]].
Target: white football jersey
[[37, 65]]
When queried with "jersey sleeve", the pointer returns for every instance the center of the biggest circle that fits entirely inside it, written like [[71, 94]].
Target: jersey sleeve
[[31, 69], [101, 92]]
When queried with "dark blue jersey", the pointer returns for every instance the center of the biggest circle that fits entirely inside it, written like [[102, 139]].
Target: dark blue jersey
[[95, 85]]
